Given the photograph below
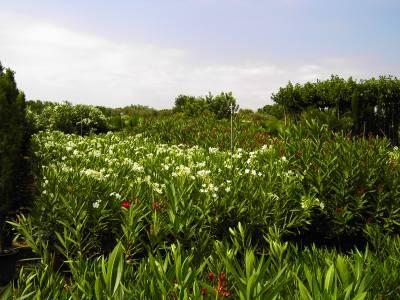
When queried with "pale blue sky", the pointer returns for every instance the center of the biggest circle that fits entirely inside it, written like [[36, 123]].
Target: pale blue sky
[[147, 52]]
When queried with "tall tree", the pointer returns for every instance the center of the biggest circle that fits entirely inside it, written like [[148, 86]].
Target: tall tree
[[222, 104], [12, 116]]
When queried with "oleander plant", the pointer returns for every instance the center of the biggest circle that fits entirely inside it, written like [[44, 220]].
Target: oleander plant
[[310, 214]]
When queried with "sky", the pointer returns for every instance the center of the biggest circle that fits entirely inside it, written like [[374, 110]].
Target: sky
[[118, 53]]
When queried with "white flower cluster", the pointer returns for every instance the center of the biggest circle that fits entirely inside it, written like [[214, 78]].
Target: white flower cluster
[[273, 197], [181, 171], [265, 148], [137, 167], [207, 188], [93, 174], [252, 172], [203, 173], [213, 150], [132, 163], [97, 203], [308, 202], [116, 195], [157, 187]]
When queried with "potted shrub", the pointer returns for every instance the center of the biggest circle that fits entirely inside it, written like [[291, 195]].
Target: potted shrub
[[12, 116]]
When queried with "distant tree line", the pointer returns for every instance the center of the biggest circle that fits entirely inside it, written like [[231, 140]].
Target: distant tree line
[[373, 104], [85, 119], [362, 107]]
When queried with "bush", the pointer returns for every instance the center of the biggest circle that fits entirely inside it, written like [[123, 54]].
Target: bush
[[274, 110], [79, 119], [220, 106]]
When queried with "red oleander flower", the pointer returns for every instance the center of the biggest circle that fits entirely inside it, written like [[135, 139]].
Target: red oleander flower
[[339, 210], [361, 191], [203, 291], [125, 204], [156, 205], [211, 276], [223, 285]]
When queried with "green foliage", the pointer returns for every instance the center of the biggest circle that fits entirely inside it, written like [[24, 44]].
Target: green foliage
[[220, 105], [250, 132], [322, 190], [190, 105], [274, 110], [255, 277], [12, 135], [130, 110], [127, 217], [373, 104], [128, 117], [330, 118], [282, 273], [338, 280], [273, 125], [79, 119], [169, 212]]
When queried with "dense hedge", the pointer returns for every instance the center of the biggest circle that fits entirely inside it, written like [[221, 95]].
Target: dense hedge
[[373, 104]]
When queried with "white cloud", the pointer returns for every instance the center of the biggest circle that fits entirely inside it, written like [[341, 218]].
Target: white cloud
[[54, 63]]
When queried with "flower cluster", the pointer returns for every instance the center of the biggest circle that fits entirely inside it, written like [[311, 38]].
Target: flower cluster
[[307, 202]]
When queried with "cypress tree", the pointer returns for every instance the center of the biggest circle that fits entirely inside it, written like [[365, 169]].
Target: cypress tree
[[12, 120]]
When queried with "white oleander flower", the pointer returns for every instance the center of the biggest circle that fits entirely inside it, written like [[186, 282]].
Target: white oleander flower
[[212, 150], [96, 204]]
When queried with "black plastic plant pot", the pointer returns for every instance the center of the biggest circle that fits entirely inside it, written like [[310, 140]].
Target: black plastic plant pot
[[8, 260]]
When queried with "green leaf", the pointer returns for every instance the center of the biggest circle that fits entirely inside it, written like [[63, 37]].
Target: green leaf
[[304, 293], [98, 288], [329, 278], [341, 266], [360, 296], [115, 268], [6, 292]]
